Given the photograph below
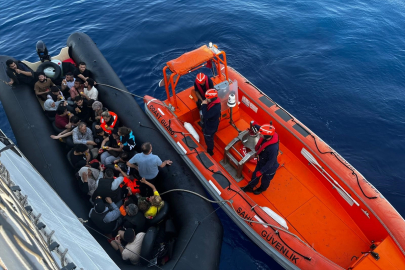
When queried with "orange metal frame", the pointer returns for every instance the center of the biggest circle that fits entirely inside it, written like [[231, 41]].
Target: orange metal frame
[[174, 77]]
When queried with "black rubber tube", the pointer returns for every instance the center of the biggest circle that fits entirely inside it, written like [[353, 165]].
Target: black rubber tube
[[198, 249]]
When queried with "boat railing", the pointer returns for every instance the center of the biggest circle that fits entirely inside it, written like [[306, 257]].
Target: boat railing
[[216, 61], [41, 231]]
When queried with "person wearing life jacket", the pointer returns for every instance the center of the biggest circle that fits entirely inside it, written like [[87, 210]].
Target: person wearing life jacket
[[211, 112], [107, 218], [267, 151], [108, 121], [201, 84]]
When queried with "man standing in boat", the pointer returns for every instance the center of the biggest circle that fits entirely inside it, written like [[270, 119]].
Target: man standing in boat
[[201, 85], [266, 151], [211, 112]]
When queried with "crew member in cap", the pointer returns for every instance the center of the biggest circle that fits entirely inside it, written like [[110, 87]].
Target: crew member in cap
[[211, 112], [266, 151], [201, 84], [105, 216]]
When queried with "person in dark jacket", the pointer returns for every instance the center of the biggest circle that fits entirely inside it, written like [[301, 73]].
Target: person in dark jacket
[[106, 217], [81, 109], [202, 84], [108, 186], [80, 156], [134, 218], [211, 112], [19, 73], [267, 151]]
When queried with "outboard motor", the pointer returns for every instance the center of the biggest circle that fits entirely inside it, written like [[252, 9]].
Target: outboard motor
[[42, 51]]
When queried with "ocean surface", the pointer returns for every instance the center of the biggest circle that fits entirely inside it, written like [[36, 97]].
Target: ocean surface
[[338, 66]]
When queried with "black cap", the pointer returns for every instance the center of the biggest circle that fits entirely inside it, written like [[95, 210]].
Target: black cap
[[99, 205], [129, 236]]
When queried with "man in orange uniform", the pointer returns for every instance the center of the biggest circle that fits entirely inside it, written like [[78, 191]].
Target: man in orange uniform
[[267, 151]]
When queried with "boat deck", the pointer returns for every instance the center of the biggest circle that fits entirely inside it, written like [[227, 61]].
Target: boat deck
[[295, 193]]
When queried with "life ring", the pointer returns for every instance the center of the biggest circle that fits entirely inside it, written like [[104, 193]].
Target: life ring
[[56, 69], [243, 151]]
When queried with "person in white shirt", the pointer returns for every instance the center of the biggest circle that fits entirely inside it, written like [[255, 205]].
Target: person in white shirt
[[132, 250], [90, 92]]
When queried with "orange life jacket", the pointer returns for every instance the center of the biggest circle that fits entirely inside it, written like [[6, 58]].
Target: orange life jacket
[[132, 184], [103, 124]]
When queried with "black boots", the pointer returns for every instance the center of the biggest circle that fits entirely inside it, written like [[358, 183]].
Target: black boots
[[210, 152], [258, 191], [247, 188]]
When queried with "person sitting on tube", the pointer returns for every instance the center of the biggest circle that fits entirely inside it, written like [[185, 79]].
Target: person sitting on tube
[[211, 113], [82, 72], [43, 86], [19, 73], [132, 249], [201, 84]]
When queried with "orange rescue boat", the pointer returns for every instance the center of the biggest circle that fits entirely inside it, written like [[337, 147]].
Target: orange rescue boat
[[318, 213]]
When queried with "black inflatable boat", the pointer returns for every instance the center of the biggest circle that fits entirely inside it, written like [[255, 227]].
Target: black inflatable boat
[[199, 233]]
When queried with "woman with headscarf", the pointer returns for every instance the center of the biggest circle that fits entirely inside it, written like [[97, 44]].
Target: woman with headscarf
[[90, 177], [51, 106], [98, 108]]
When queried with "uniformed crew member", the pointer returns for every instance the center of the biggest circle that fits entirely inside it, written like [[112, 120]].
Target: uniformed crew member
[[201, 85], [211, 111], [267, 151]]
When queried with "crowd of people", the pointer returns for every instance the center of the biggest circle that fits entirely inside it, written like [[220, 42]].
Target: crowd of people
[[119, 181]]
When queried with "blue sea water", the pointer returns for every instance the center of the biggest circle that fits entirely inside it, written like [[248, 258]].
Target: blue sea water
[[338, 66]]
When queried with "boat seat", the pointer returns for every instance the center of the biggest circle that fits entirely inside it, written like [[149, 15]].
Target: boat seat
[[147, 245], [58, 130], [68, 158]]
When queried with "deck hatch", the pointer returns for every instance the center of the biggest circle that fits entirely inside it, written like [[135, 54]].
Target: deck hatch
[[188, 141], [266, 101], [205, 161], [301, 130], [283, 115], [221, 179]]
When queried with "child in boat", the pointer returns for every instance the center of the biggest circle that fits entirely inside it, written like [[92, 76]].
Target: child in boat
[[155, 202]]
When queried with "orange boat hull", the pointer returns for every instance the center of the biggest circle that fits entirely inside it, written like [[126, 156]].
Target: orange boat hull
[[315, 214]]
